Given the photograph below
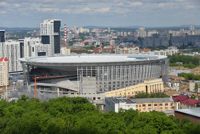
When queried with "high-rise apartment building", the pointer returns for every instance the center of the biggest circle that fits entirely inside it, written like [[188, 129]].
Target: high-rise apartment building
[[2, 41], [11, 50], [3, 73], [34, 48], [21, 45], [2, 35], [50, 35], [141, 32]]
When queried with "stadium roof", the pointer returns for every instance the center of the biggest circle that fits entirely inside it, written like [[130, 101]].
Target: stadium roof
[[91, 58]]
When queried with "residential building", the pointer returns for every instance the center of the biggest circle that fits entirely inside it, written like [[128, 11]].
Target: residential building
[[148, 86], [166, 105], [2, 41], [50, 35], [2, 35], [193, 85], [151, 33], [11, 50], [141, 32], [117, 104], [167, 52], [127, 50], [21, 44], [65, 51], [186, 102], [3, 73], [34, 48]]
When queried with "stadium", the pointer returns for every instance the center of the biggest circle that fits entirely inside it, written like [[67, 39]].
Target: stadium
[[91, 74]]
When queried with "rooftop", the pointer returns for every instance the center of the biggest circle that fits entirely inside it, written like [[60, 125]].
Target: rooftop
[[94, 58], [153, 100], [186, 100], [194, 112], [2, 59], [141, 100]]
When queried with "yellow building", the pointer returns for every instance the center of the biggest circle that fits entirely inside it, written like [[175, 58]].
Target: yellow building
[[149, 86], [166, 105], [3, 73], [155, 104]]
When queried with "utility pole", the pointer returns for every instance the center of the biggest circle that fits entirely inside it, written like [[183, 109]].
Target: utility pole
[[35, 87], [6, 93]]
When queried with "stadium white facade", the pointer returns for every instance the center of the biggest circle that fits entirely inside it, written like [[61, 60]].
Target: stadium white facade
[[92, 74]]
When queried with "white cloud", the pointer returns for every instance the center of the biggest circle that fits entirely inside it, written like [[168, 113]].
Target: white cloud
[[94, 6]]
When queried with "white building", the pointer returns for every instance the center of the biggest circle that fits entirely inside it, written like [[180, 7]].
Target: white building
[[127, 50], [1, 48], [2, 41], [117, 104], [65, 51], [141, 32], [174, 85], [151, 33], [167, 52], [166, 105], [192, 86], [34, 48], [11, 50], [50, 35], [3, 73], [112, 42], [83, 30]]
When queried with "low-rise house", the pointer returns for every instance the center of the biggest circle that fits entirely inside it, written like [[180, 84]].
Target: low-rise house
[[194, 86], [185, 102], [166, 105]]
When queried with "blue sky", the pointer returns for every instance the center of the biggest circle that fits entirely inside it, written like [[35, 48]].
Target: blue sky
[[29, 13]]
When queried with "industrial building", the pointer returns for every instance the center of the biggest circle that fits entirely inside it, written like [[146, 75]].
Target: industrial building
[[91, 74]]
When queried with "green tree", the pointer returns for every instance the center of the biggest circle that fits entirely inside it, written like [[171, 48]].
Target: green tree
[[78, 116]]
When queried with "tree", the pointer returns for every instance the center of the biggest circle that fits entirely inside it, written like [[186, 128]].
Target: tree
[[196, 88], [78, 116]]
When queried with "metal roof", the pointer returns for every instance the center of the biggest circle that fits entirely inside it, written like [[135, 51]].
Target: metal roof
[[153, 100], [91, 58], [140, 100], [193, 111]]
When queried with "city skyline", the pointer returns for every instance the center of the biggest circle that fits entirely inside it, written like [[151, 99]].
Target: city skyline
[[116, 13]]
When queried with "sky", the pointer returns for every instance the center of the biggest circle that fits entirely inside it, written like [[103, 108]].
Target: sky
[[117, 13]]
